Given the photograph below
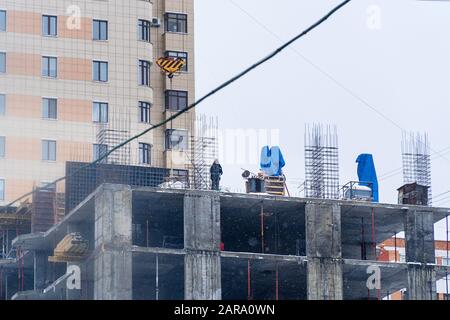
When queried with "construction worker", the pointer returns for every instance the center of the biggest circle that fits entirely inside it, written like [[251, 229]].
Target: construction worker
[[216, 173]]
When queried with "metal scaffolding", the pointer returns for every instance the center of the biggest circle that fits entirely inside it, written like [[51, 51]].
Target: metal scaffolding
[[204, 149], [321, 162], [416, 160]]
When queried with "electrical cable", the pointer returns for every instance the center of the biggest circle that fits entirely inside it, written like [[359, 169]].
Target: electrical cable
[[193, 105]]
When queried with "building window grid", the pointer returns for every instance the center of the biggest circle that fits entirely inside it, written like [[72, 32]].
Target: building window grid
[[100, 112], [100, 71], [145, 153], [144, 73], [49, 26], [2, 20], [179, 54], [445, 261], [49, 67], [100, 150], [144, 30], [144, 112], [50, 108], [2, 62], [176, 139], [49, 150], [176, 100], [100, 30], [176, 22]]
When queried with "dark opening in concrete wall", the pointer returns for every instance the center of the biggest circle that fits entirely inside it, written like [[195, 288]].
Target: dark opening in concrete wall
[[158, 220], [251, 279], [365, 227], [158, 276], [263, 226]]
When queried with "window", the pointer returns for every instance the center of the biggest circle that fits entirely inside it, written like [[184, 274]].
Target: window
[[2, 189], [176, 100], [176, 22], [2, 104], [144, 153], [144, 30], [2, 20], [182, 55], [49, 26], [100, 150], [144, 73], [402, 258], [48, 150], [49, 108], [100, 112], [144, 112], [2, 147], [100, 71], [446, 262], [49, 67], [100, 30], [176, 139], [2, 62]]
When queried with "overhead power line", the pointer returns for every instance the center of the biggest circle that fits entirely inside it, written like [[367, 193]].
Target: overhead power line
[[193, 105]]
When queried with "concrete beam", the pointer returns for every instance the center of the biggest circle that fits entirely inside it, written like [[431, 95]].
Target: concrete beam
[[113, 227]]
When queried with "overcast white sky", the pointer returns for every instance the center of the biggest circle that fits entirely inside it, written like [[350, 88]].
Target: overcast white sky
[[399, 64]]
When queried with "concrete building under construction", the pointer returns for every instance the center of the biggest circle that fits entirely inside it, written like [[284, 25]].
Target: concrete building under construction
[[162, 244]]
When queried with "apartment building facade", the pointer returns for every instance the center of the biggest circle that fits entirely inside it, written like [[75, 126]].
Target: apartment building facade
[[78, 76]]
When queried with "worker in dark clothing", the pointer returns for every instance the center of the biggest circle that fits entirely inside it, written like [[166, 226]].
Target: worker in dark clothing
[[216, 173]]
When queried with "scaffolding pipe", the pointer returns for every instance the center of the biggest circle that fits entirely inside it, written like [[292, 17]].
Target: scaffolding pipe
[[395, 246], [373, 234], [277, 283], [262, 229], [446, 269], [249, 279], [363, 244], [157, 277], [146, 233]]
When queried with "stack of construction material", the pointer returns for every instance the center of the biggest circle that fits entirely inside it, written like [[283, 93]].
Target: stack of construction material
[[71, 248], [275, 185]]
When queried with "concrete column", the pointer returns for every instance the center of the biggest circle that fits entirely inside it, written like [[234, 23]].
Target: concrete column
[[421, 282], [324, 251], [74, 294], [419, 234], [41, 270], [113, 260], [202, 242]]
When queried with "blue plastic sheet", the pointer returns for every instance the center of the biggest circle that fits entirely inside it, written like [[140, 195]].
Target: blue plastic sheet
[[272, 161], [367, 173]]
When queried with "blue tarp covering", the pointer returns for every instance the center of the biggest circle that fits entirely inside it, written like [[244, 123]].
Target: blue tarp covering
[[367, 173], [272, 161]]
